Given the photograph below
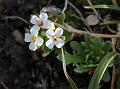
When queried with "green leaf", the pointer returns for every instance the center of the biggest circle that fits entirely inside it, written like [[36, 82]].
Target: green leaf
[[69, 58], [68, 36], [46, 52], [106, 76], [97, 46], [111, 7], [82, 69], [88, 57], [107, 46], [61, 18], [75, 45], [97, 42], [97, 76], [87, 37]]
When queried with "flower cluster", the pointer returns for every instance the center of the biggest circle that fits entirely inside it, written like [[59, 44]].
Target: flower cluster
[[52, 34]]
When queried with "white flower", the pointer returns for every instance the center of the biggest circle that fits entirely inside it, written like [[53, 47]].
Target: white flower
[[41, 21], [33, 39], [54, 38]]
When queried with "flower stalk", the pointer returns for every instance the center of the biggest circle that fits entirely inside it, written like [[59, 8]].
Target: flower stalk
[[71, 82]]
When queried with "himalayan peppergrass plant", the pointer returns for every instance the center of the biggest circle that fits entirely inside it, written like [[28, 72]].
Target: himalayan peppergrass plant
[[91, 54], [53, 35]]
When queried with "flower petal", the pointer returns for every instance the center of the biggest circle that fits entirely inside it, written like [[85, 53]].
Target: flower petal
[[39, 41], [43, 16], [34, 30], [59, 43], [27, 37], [50, 33], [59, 31], [46, 24], [32, 46], [50, 44], [52, 26], [33, 19]]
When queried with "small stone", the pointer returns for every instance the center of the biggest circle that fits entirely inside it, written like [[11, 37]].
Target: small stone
[[18, 36], [92, 20]]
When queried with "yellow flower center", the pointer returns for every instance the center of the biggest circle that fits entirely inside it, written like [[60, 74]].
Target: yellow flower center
[[34, 38], [55, 37]]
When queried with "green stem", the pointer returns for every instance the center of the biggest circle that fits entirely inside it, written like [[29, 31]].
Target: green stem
[[71, 82]]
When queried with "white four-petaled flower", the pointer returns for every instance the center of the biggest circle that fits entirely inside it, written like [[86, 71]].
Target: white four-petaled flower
[[54, 38], [40, 22], [43, 22], [33, 39]]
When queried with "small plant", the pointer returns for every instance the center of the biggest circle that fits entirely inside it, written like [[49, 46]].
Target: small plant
[[50, 33], [90, 52]]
